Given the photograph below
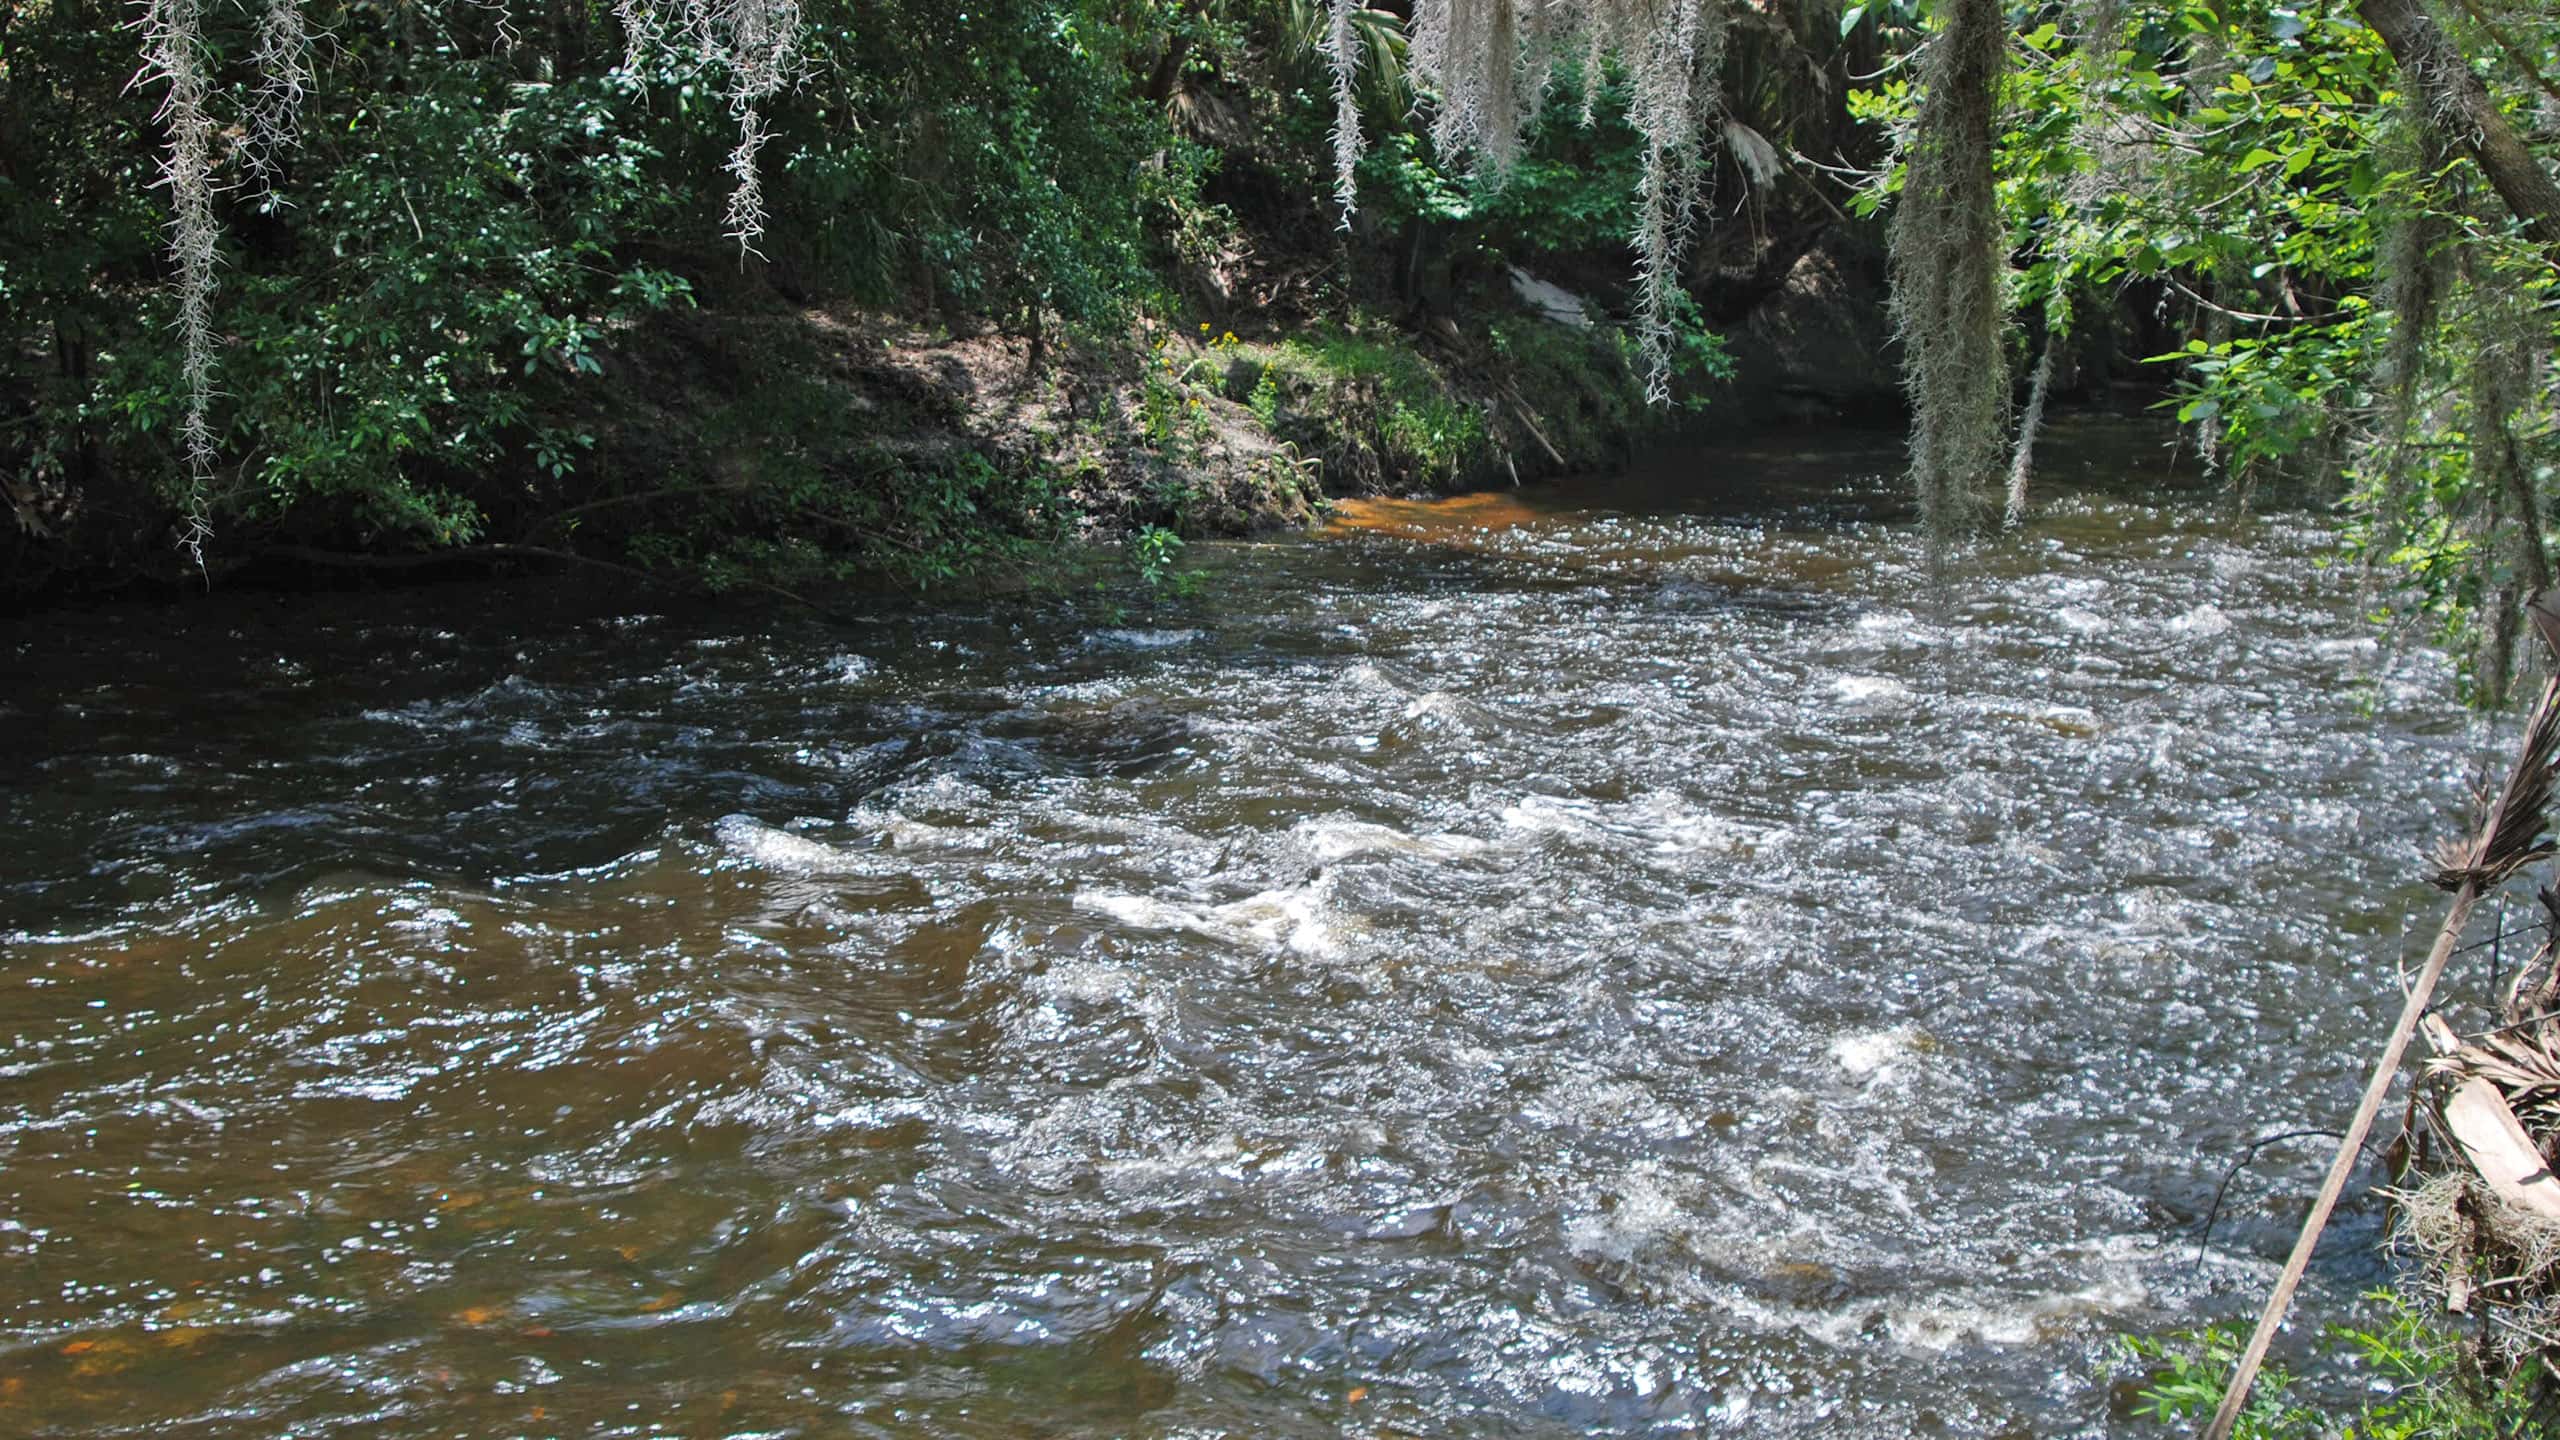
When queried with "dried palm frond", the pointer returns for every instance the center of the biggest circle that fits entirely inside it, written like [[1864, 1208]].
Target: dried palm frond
[[2514, 832]]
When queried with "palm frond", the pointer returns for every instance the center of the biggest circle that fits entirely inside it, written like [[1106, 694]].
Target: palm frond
[[2515, 832]]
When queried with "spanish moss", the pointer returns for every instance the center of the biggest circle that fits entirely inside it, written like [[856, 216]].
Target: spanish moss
[[1487, 63], [2500, 363], [172, 55], [1343, 54], [1945, 249], [282, 59]]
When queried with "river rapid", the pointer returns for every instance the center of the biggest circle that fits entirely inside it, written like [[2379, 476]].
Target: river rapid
[[1645, 958]]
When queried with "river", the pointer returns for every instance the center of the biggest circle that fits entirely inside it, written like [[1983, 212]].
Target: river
[[1651, 957]]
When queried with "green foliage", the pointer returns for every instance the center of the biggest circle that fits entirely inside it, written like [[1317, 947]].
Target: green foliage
[[2189, 1372], [1264, 399], [2276, 399], [985, 154], [1423, 429], [424, 321], [1568, 192], [2424, 1388], [1153, 553], [2255, 176], [488, 291]]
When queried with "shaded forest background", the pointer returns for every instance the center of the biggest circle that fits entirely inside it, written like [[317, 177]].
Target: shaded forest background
[[1032, 267], [1034, 271]]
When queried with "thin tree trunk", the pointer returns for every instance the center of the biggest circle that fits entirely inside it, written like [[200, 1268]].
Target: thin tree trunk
[[1168, 70], [2461, 107]]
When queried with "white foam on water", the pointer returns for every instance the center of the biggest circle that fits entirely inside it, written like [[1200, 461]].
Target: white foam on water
[[1144, 639], [1895, 629], [1368, 675], [1675, 827], [1547, 815], [1658, 822], [1875, 1055], [2202, 623], [1874, 694], [1441, 708], [2008, 1318], [1298, 919], [1330, 840], [918, 835], [1141, 912], [1648, 1210], [1086, 983], [781, 851]]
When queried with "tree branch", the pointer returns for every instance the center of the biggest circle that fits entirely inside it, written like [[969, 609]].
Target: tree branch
[[2461, 107], [2515, 52]]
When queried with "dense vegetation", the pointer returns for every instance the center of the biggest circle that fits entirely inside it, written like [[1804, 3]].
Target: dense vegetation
[[2363, 303], [483, 284], [652, 282]]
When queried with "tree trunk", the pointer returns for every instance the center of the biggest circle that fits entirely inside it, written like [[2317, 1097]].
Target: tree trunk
[[1168, 70], [2461, 106]]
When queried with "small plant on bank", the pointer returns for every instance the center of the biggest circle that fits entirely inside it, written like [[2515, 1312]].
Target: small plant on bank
[[1153, 553], [2426, 1387], [1264, 401]]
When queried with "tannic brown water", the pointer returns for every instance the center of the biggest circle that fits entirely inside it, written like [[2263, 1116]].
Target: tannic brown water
[[1640, 959]]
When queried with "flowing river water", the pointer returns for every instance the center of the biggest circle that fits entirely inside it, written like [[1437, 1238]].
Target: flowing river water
[[1644, 958]]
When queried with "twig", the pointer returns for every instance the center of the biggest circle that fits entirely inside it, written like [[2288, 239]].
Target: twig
[[2494, 939], [2251, 315], [2497, 946], [2248, 1156], [2526, 1023]]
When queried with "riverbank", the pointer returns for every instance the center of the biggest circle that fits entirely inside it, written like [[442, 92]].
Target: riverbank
[[757, 442]]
